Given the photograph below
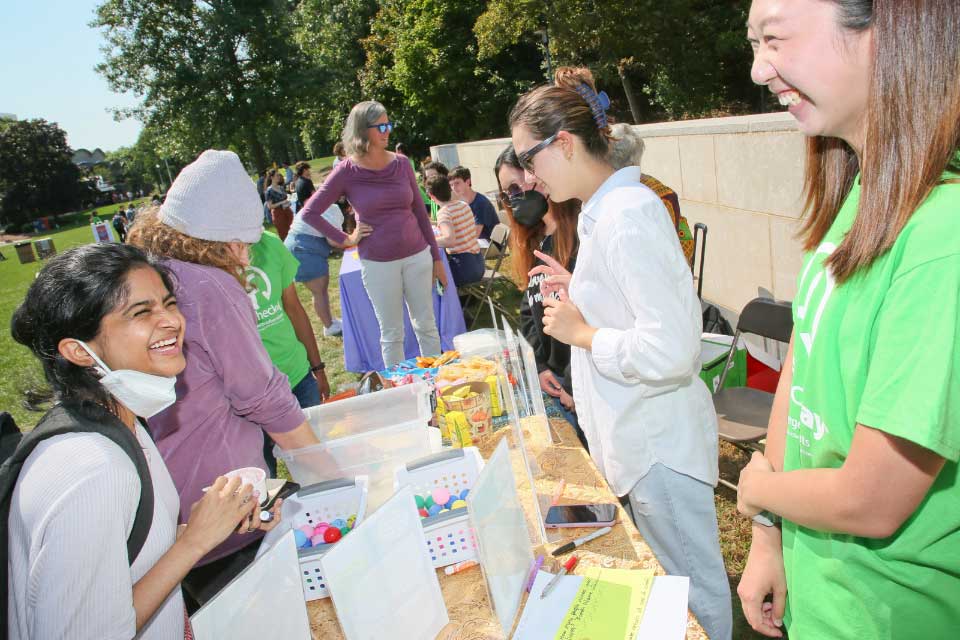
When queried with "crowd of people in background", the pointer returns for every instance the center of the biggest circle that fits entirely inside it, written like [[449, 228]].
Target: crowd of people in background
[[189, 346]]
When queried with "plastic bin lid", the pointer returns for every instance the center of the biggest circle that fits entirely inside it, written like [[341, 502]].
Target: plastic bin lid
[[399, 405]]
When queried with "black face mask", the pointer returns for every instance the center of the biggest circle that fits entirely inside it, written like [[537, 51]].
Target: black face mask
[[528, 207]]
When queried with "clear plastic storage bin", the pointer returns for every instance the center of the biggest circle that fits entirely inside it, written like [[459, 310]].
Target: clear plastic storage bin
[[447, 534], [367, 435]]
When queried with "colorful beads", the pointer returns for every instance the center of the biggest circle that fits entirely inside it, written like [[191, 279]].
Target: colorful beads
[[312, 535], [440, 500]]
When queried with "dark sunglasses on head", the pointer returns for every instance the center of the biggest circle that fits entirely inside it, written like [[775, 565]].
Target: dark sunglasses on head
[[525, 159], [383, 127]]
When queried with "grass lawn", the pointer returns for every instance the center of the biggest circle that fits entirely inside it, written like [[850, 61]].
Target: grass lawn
[[20, 372]]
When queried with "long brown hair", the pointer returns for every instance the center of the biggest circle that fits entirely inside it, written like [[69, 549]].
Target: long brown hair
[[524, 240], [912, 129], [163, 241]]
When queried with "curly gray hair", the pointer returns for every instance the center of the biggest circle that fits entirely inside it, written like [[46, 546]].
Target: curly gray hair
[[361, 118], [626, 149]]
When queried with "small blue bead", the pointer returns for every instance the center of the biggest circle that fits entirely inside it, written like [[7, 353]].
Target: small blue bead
[[301, 539]]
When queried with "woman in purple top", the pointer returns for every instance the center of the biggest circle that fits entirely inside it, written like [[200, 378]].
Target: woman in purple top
[[230, 389], [399, 258]]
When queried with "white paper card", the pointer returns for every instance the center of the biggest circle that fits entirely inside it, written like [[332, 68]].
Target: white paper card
[[265, 601], [381, 579]]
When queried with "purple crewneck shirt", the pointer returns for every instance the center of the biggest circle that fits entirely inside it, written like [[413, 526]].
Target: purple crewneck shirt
[[227, 393], [388, 200]]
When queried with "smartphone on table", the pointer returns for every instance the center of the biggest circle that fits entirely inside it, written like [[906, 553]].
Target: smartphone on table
[[581, 515]]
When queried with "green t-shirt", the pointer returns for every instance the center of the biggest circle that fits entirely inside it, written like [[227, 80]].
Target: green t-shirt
[[880, 350], [272, 268]]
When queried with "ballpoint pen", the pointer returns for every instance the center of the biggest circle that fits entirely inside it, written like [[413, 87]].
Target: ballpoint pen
[[573, 544], [567, 568]]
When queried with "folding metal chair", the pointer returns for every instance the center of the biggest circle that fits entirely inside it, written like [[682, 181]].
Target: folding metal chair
[[481, 290], [743, 413]]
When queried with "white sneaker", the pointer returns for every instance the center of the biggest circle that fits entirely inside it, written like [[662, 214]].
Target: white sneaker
[[335, 329]]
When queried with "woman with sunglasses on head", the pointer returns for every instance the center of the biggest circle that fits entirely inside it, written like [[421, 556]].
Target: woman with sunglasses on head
[[632, 318], [399, 257], [538, 224], [861, 461], [104, 323]]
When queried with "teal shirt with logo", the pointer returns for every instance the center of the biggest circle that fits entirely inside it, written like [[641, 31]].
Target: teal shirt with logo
[[272, 268], [880, 350]]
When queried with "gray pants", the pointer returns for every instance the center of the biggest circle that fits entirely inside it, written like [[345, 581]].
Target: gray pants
[[677, 517], [391, 283]]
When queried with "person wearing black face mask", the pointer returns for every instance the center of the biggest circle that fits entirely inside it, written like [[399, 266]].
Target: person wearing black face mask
[[539, 224]]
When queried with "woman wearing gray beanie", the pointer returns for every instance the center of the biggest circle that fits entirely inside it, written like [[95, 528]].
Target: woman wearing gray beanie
[[400, 261], [230, 389]]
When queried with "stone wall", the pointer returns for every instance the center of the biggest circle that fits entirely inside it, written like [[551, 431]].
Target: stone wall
[[741, 176]]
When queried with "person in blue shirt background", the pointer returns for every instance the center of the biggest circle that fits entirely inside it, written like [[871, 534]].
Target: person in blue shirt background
[[483, 211]]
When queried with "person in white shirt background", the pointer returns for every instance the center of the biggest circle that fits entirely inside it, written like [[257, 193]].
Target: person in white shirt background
[[631, 315]]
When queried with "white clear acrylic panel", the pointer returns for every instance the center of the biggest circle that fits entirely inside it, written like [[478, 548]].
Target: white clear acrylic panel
[[503, 543], [532, 438], [381, 579], [264, 601], [533, 381]]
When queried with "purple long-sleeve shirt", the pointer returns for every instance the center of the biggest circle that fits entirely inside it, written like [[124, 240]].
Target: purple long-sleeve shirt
[[228, 392], [388, 200]]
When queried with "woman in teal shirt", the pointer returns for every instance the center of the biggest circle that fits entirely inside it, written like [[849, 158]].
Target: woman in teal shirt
[[864, 437]]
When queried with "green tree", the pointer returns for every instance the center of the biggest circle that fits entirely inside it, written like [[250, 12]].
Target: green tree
[[422, 64], [37, 175], [678, 58], [139, 166], [329, 34], [210, 73]]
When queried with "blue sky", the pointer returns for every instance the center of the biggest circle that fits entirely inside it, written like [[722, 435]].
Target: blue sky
[[47, 55]]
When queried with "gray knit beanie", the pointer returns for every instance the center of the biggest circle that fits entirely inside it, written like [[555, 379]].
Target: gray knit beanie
[[213, 198]]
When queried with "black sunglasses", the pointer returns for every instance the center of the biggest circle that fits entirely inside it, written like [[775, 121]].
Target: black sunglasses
[[383, 127], [513, 191], [525, 159]]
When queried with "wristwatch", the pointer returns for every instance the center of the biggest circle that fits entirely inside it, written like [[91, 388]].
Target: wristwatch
[[319, 367], [767, 519]]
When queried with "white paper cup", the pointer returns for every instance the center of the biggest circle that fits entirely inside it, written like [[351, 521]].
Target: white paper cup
[[254, 476]]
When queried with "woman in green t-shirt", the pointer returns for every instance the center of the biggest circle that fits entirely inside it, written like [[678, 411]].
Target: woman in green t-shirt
[[862, 455]]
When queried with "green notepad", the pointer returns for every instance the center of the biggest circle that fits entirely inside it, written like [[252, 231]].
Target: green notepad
[[599, 610]]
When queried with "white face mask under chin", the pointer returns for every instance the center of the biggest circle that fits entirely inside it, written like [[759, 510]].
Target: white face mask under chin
[[144, 394]]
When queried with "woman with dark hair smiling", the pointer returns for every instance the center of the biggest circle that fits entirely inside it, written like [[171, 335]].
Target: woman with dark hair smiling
[[104, 323], [861, 461]]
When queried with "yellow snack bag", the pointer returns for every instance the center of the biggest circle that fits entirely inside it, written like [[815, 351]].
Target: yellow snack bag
[[459, 428], [441, 418], [496, 408]]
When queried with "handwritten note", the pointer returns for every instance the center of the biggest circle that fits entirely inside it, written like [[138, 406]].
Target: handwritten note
[[639, 581], [599, 610]]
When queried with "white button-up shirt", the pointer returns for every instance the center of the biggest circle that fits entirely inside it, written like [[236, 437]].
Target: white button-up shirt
[[639, 397]]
